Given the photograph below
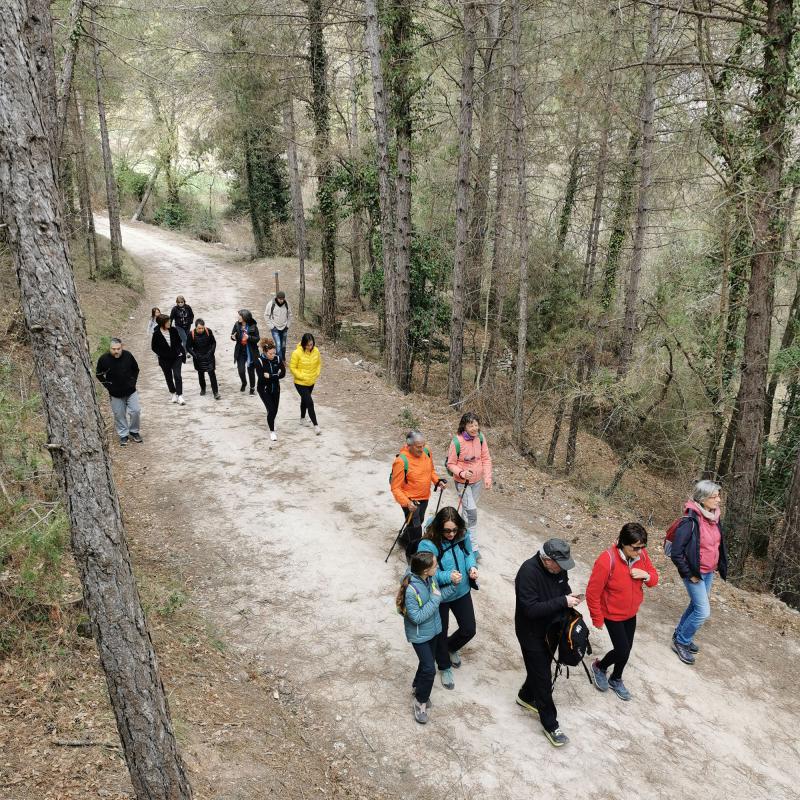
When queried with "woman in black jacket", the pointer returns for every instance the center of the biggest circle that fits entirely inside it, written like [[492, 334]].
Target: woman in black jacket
[[270, 370], [167, 345], [201, 345], [245, 334], [182, 315]]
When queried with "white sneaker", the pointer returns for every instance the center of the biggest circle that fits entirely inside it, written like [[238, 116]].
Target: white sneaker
[[181, 401], [317, 430], [173, 398], [273, 436]]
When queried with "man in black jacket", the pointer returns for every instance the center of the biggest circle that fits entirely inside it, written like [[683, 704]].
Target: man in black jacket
[[117, 370], [543, 595]]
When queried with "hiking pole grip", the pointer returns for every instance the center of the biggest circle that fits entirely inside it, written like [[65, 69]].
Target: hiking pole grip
[[399, 534]]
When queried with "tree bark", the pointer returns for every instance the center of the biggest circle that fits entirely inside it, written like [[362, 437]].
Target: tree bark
[[647, 136], [148, 190], [297, 201], [326, 192], [356, 227], [112, 196], [455, 370], [259, 238], [67, 69], [785, 549], [76, 435], [767, 216], [84, 191]]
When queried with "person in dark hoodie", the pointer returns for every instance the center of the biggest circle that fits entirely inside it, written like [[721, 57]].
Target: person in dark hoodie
[[201, 345], [117, 370], [245, 334], [543, 595], [167, 345], [182, 316], [270, 369]]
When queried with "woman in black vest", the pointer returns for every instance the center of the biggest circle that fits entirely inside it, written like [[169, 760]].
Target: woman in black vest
[[167, 345], [245, 334], [201, 345], [270, 370]]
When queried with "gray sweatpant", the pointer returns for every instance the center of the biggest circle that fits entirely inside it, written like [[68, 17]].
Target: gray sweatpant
[[126, 411], [469, 507]]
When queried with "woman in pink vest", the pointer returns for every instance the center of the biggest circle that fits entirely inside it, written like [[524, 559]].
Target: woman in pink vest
[[470, 464]]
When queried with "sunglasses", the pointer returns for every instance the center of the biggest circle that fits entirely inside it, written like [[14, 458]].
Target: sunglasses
[[637, 547], [450, 530]]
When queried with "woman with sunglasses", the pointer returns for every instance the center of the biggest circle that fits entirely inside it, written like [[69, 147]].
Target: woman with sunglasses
[[448, 539], [613, 595]]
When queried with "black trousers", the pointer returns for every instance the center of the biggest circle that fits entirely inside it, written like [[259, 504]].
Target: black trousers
[[212, 376], [426, 671], [306, 402], [172, 374], [538, 686], [271, 400], [241, 364], [413, 532], [464, 612], [621, 634]]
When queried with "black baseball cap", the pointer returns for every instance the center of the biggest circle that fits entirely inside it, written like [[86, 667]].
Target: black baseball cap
[[558, 550]]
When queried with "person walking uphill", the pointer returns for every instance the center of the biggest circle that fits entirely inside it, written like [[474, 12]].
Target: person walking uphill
[[118, 371], [183, 316], [202, 345], [698, 551], [418, 601], [613, 595], [278, 317], [167, 345], [413, 474], [448, 538], [270, 370], [245, 334], [305, 366], [543, 596], [470, 464]]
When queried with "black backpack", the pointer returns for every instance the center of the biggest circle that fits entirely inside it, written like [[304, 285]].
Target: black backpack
[[568, 642]]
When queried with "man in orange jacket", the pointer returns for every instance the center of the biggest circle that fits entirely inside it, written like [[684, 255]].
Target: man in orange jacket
[[412, 475]]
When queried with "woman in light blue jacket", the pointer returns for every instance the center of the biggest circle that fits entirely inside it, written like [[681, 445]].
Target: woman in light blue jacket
[[448, 538], [418, 601]]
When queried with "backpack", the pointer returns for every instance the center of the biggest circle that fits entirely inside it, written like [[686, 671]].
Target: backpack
[[400, 599], [404, 459], [457, 445], [568, 642], [670, 537]]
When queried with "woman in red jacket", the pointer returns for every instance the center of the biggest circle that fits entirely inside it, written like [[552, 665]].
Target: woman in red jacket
[[613, 595]]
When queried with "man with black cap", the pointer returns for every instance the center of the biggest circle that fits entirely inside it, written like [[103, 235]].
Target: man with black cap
[[543, 595]]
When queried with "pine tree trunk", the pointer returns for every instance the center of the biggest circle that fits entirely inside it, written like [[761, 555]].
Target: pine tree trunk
[[112, 197], [67, 70], [148, 190], [76, 436], [356, 227], [785, 547], [647, 129], [767, 236], [297, 201], [84, 191], [252, 202], [454, 375], [326, 192], [556, 434]]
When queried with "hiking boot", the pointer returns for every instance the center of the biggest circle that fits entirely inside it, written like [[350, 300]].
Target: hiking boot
[[244, 386], [202, 392], [556, 738], [252, 390], [217, 396], [618, 687], [692, 646], [429, 704], [136, 438], [123, 441], [599, 675], [446, 676], [684, 653], [420, 713], [455, 659], [527, 706]]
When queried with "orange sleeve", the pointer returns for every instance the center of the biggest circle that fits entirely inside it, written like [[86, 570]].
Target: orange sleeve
[[398, 479], [434, 477]]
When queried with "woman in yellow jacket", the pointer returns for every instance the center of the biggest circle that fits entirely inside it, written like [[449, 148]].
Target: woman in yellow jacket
[[305, 365]]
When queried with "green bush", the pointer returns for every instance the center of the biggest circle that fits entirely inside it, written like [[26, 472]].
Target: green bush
[[171, 215], [131, 183]]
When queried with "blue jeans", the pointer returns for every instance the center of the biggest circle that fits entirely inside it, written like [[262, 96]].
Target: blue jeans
[[280, 337], [698, 610], [426, 671]]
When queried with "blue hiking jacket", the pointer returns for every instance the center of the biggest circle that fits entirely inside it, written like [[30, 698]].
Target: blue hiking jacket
[[422, 620], [452, 557]]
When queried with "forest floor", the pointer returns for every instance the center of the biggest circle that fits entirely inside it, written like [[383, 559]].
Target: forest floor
[[262, 566]]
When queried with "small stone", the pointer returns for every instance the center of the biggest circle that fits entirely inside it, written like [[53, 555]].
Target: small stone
[[275, 695]]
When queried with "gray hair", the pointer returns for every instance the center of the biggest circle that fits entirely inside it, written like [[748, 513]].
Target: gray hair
[[116, 340], [414, 437], [704, 489]]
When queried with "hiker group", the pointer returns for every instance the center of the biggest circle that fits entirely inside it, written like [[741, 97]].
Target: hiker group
[[260, 362], [442, 572]]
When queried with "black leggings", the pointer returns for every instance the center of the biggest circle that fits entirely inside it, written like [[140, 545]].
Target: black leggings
[[251, 373], [621, 634], [306, 402], [212, 376], [464, 613], [172, 374], [271, 399]]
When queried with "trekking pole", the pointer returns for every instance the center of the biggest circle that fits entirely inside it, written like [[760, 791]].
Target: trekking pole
[[399, 534], [461, 497], [439, 501]]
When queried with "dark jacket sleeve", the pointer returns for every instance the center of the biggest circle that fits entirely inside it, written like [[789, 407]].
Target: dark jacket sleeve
[[172, 313], [253, 336], [101, 371], [212, 343], [134, 368], [260, 371], [530, 600], [282, 370], [191, 314], [153, 341], [680, 555]]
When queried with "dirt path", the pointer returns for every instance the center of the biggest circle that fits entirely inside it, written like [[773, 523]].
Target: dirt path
[[283, 545]]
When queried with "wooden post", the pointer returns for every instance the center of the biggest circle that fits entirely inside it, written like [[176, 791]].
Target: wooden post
[[277, 284]]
